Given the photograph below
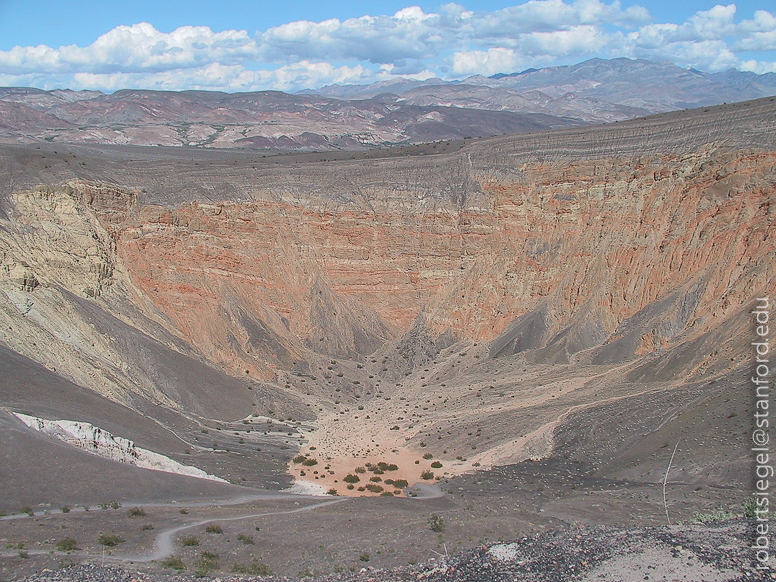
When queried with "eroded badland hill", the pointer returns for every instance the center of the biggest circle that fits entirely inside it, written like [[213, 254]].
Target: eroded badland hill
[[580, 298]]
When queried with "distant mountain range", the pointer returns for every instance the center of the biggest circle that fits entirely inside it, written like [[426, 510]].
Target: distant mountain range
[[351, 117]]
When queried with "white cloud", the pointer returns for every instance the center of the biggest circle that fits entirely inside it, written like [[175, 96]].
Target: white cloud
[[490, 62], [228, 78], [758, 67], [709, 40], [411, 43], [135, 48]]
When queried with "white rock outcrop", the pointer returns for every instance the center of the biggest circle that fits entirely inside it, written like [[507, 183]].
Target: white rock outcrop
[[97, 441]]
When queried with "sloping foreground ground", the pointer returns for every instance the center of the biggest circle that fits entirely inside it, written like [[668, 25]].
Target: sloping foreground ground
[[699, 553]]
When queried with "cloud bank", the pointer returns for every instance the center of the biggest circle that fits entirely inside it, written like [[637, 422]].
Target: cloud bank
[[451, 43]]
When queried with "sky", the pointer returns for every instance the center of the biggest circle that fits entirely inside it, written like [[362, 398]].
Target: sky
[[245, 45]]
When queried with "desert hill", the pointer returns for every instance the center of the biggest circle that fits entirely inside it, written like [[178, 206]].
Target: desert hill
[[343, 118]]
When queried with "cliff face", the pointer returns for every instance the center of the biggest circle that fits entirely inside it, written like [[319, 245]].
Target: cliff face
[[580, 248]]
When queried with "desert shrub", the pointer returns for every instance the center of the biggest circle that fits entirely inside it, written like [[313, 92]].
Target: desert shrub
[[716, 515], [147, 526], [400, 483], [28, 510], [173, 562], [188, 541], [246, 539], [427, 475], [436, 465], [374, 488], [214, 528], [351, 479], [136, 512], [436, 523], [351, 486], [386, 494], [375, 479], [206, 563], [749, 507], [183, 511], [110, 539], [331, 491], [428, 456], [254, 569], [24, 554], [300, 459], [67, 545], [387, 466], [115, 504], [310, 462], [65, 509], [364, 557]]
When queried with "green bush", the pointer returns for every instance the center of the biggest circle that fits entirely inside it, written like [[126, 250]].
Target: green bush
[[206, 563], [364, 557], [188, 541], [254, 569], [28, 510], [65, 509], [374, 488], [214, 528], [67, 545], [331, 491], [427, 475], [110, 539], [310, 462], [351, 479], [716, 515], [246, 539], [400, 483], [115, 504], [173, 562], [428, 456], [436, 523], [136, 512], [750, 506], [360, 470], [436, 465]]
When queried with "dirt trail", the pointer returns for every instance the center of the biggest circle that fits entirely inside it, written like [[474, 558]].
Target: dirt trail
[[164, 543]]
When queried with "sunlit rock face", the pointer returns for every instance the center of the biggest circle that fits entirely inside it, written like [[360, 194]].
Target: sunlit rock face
[[607, 258]]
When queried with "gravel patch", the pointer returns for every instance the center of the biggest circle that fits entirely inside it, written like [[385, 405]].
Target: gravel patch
[[716, 552]]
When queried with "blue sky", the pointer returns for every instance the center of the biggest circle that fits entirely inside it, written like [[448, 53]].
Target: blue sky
[[252, 45]]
